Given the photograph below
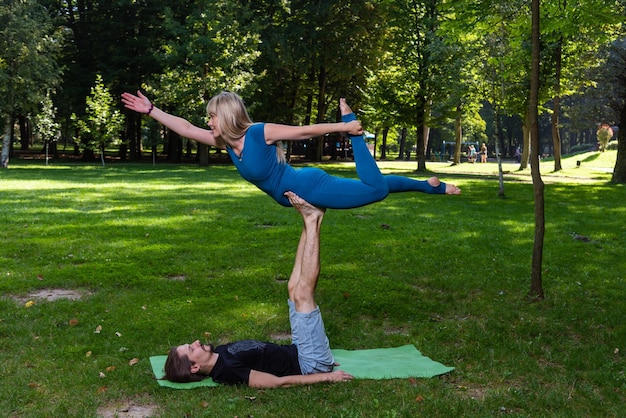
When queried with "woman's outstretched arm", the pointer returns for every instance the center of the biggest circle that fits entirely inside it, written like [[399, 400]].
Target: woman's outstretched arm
[[275, 132], [141, 104]]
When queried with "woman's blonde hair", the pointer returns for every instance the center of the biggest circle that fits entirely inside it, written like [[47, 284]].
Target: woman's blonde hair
[[234, 119]]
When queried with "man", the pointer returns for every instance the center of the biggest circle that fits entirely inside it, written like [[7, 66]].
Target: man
[[259, 364]]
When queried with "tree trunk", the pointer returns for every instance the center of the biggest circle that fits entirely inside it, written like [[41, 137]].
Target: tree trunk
[[526, 147], [6, 142], [619, 172], [500, 172], [556, 101], [536, 285], [421, 141], [383, 145], [458, 136], [321, 111], [402, 144], [203, 155], [25, 133]]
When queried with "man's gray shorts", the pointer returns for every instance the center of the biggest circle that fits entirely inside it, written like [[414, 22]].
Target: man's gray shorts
[[309, 335]]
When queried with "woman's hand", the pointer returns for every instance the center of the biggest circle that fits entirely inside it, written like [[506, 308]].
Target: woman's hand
[[139, 103]]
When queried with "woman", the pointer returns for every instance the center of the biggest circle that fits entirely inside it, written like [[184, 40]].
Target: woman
[[257, 152], [483, 153]]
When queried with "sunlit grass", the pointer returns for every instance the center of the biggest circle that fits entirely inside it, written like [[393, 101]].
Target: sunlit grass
[[169, 254]]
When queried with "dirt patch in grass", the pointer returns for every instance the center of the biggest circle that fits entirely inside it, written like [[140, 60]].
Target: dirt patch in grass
[[51, 295], [127, 410]]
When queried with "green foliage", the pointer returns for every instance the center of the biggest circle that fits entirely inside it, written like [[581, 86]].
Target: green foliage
[[29, 48], [103, 121], [182, 253], [604, 135], [45, 125]]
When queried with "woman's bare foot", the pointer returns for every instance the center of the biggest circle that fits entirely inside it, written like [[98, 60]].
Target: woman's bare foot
[[450, 188], [343, 107]]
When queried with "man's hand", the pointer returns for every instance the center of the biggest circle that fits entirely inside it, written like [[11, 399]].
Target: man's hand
[[259, 379], [340, 376]]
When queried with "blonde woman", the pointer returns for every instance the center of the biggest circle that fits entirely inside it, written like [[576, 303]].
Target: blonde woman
[[256, 150]]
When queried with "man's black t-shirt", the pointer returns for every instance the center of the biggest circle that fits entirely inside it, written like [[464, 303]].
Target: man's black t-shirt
[[237, 359]]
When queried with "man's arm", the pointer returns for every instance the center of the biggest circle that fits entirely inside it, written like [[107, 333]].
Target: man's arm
[[266, 380]]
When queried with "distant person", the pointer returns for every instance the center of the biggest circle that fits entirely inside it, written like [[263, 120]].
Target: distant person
[[518, 154], [256, 150], [471, 154], [307, 360], [483, 153]]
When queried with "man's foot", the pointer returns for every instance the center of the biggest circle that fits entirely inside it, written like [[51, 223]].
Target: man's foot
[[450, 188], [305, 208]]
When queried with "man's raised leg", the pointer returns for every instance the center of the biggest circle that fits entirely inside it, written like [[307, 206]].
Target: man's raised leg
[[306, 269]]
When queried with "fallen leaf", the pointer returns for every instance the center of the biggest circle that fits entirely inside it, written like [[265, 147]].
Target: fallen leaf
[[98, 329], [39, 277], [29, 303], [33, 385], [73, 322], [133, 361], [119, 334], [102, 375], [250, 398], [110, 369], [419, 398], [88, 354], [204, 404], [616, 351], [102, 389]]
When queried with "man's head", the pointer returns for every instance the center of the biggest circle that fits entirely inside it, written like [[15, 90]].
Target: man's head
[[188, 362]]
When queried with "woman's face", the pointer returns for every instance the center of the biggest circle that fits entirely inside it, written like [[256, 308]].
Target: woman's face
[[213, 124]]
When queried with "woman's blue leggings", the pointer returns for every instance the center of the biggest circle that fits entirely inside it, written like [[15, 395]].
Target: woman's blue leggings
[[326, 191], [376, 186]]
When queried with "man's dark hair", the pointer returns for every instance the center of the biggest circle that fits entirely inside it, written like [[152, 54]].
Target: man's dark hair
[[178, 368]]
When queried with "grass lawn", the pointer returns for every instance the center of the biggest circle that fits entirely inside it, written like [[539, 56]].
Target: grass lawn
[[161, 255]]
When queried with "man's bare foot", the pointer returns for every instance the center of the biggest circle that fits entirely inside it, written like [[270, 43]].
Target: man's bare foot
[[450, 188], [343, 107], [305, 208]]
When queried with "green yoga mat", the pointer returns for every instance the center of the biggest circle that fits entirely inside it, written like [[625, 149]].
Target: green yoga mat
[[377, 363]]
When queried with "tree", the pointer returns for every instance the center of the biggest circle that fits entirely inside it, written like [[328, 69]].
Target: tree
[[312, 53], [572, 33], [28, 67], [536, 286], [614, 76], [45, 125], [420, 67], [211, 47], [102, 123], [604, 135]]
